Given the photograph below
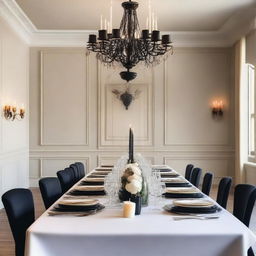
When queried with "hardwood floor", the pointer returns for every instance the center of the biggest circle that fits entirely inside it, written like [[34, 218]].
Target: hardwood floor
[[6, 240]]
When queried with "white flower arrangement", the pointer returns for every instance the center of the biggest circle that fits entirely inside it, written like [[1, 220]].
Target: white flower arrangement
[[132, 179]]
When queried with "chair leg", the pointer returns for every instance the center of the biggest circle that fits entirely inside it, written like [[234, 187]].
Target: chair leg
[[250, 252]]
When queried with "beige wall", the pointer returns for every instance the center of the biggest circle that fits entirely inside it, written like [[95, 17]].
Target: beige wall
[[14, 67], [75, 117]]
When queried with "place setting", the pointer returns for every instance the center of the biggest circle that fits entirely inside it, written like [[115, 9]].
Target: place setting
[[169, 174], [202, 209], [88, 190], [76, 207], [92, 181], [176, 182], [183, 192]]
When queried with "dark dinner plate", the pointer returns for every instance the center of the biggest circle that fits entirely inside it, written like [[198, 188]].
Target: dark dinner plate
[[78, 209], [87, 193], [93, 183], [185, 195], [170, 176], [180, 184], [179, 209]]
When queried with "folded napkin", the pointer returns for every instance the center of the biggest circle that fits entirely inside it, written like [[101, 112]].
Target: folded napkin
[[174, 180], [159, 166], [96, 176], [103, 173], [89, 188], [187, 190], [98, 179], [193, 203], [78, 202]]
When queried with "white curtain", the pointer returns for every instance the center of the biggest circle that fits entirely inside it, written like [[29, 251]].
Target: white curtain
[[241, 111]]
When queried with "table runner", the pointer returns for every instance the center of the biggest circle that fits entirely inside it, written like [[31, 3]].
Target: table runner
[[153, 233]]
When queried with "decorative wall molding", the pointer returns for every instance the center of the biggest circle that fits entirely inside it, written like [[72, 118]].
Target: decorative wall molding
[[103, 89], [87, 77], [108, 159], [225, 36], [41, 160], [165, 107]]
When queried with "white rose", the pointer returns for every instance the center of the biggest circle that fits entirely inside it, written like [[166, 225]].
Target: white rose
[[134, 167], [133, 187], [134, 177], [136, 170]]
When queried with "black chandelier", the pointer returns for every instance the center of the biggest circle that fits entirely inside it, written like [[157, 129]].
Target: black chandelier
[[127, 45]]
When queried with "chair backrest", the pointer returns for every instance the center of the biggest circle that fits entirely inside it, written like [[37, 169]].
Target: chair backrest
[[244, 199], [207, 183], [66, 178], [188, 171], [223, 191], [81, 169], [75, 170], [50, 190], [195, 176], [19, 206]]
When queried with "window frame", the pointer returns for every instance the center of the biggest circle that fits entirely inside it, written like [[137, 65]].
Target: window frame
[[251, 113]]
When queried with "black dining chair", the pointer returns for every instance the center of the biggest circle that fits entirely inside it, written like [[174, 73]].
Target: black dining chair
[[66, 178], [223, 191], [244, 200], [50, 190], [188, 171], [76, 172], [19, 207], [195, 176], [81, 169], [207, 183]]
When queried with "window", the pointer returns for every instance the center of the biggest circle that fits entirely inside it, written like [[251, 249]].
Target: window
[[251, 110]]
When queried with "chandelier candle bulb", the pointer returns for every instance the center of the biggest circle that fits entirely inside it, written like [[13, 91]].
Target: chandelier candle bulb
[[153, 22], [156, 27], [147, 26], [111, 16], [105, 24], [128, 209]]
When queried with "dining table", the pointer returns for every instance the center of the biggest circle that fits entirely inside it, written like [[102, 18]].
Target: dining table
[[155, 232]]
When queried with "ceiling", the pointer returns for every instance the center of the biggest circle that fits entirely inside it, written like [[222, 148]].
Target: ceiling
[[173, 15]]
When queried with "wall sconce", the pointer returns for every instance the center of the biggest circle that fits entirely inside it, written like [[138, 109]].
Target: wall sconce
[[217, 108], [126, 96], [11, 113]]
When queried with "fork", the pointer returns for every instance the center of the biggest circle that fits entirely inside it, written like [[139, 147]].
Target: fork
[[195, 217]]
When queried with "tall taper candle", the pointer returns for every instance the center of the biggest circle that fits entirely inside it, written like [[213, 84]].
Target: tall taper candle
[[130, 144], [132, 159]]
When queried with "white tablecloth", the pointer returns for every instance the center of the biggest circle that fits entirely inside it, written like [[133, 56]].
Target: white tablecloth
[[153, 233]]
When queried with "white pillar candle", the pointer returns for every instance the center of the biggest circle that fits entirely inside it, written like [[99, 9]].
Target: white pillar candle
[[129, 209]]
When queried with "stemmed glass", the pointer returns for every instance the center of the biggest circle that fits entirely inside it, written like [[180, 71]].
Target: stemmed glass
[[156, 188], [111, 186]]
